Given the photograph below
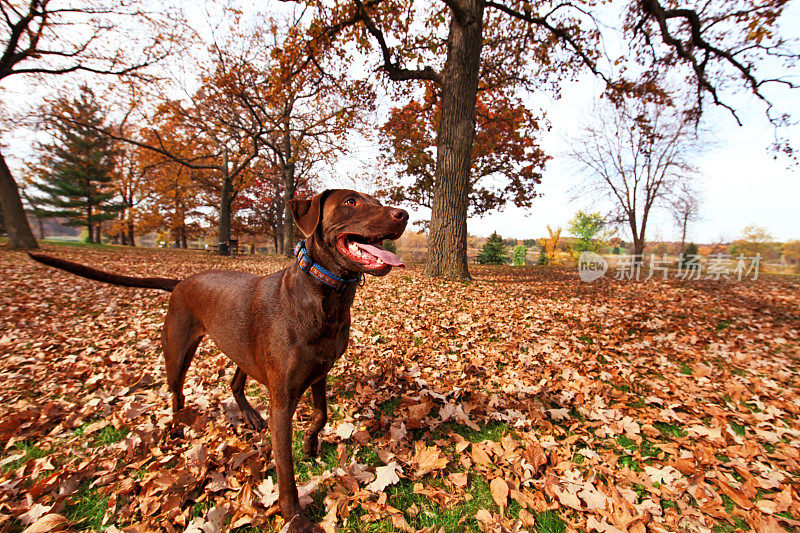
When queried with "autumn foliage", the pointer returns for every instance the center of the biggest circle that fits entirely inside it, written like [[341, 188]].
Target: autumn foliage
[[523, 400], [506, 161]]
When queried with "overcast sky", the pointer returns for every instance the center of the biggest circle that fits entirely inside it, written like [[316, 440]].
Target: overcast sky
[[739, 181]]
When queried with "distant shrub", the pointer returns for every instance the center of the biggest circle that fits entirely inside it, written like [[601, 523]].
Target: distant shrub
[[542, 260], [690, 250], [520, 251], [390, 245], [493, 251]]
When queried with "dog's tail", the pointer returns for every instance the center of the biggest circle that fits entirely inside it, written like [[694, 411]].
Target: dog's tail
[[165, 284]]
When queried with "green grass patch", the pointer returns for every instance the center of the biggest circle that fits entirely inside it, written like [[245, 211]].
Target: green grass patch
[[648, 449], [389, 406], [451, 519], [666, 504], [550, 522], [727, 503], [368, 456], [31, 452], [625, 442], [726, 527], [87, 508], [640, 491], [630, 462], [737, 428], [306, 467], [685, 369], [248, 529], [670, 430], [638, 403], [108, 435], [493, 431], [76, 244], [722, 325], [752, 408], [200, 509]]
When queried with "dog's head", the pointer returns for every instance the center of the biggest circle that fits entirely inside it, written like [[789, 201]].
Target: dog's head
[[354, 225]]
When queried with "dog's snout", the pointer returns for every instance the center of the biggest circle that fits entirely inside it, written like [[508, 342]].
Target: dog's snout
[[399, 214]]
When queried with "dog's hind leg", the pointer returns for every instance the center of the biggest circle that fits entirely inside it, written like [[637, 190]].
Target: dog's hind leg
[[251, 417], [179, 339], [320, 401]]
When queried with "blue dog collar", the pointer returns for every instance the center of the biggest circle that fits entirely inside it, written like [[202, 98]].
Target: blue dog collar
[[308, 265]]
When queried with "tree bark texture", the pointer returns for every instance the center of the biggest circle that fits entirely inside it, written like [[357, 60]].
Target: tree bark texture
[[447, 243], [130, 239], [288, 193], [225, 209], [89, 225], [17, 226]]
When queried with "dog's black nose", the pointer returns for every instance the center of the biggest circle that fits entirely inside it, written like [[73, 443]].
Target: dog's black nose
[[399, 214]]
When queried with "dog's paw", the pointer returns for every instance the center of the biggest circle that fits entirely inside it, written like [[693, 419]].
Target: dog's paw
[[301, 524], [253, 420], [311, 446]]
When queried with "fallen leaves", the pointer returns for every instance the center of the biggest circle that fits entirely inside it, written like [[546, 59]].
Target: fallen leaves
[[426, 459], [522, 397], [385, 476]]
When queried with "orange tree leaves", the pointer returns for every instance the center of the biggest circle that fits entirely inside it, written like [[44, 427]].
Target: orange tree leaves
[[506, 162]]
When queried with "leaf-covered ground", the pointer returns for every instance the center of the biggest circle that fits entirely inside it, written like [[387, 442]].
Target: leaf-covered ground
[[524, 400]]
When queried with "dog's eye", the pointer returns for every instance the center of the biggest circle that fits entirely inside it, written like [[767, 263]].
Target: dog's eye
[[350, 201]]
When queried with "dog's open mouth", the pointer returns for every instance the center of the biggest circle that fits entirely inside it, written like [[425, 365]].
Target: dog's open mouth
[[367, 251]]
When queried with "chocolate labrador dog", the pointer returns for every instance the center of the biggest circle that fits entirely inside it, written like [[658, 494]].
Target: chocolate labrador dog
[[285, 330]]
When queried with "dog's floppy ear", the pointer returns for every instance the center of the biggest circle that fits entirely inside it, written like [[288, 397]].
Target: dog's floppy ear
[[307, 213]]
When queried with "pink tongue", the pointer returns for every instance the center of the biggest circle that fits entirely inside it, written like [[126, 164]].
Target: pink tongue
[[386, 256]]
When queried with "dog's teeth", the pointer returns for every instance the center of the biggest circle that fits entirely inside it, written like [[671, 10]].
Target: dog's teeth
[[380, 261], [353, 247]]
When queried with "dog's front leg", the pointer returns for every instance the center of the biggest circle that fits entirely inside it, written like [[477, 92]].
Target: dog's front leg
[[280, 422], [320, 400]]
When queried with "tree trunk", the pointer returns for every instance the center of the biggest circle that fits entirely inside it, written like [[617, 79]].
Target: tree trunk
[[447, 244], [89, 226], [288, 238], [683, 232], [131, 242], [225, 210], [184, 243], [279, 234], [638, 248], [98, 233], [41, 227], [19, 231], [288, 194]]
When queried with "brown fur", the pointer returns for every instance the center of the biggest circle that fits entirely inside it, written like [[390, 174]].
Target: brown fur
[[285, 330]]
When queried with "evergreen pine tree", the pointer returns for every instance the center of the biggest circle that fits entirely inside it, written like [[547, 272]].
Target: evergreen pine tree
[[543, 259], [77, 167], [493, 251], [689, 253]]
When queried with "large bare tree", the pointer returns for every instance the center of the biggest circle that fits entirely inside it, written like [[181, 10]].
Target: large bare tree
[[685, 208], [636, 155], [465, 45], [47, 38]]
